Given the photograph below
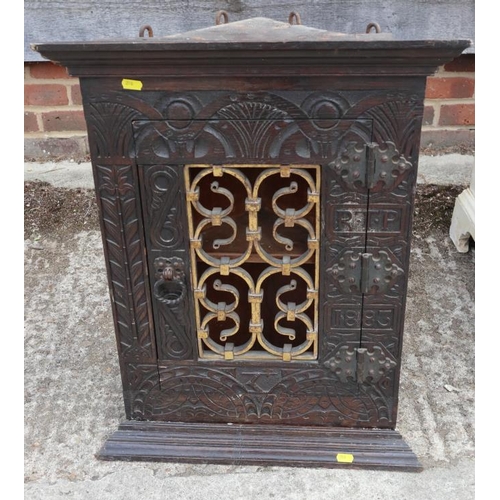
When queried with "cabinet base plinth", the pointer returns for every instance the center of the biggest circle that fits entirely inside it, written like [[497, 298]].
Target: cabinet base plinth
[[237, 444]]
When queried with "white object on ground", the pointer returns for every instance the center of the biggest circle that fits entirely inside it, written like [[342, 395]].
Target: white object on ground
[[462, 226]]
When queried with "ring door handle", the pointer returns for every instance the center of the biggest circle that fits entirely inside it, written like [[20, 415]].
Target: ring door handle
[[170, 287]]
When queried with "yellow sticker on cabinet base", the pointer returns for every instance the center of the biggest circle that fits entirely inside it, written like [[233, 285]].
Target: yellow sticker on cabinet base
[[345, 458]]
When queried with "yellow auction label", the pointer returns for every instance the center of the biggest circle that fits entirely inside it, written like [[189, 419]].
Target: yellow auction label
[[131, 84], [345, 458]]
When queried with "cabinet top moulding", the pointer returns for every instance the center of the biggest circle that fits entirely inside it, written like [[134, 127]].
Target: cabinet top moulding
[[254, 47]]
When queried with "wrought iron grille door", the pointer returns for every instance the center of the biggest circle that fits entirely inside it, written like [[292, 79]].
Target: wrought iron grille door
[[254, 237]]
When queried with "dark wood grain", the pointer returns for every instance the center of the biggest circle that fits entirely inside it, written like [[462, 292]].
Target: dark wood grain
[[260, 445], [54, 20], [315, 58]]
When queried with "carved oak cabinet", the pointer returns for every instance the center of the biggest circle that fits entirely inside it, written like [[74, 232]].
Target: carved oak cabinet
[[255, 181]]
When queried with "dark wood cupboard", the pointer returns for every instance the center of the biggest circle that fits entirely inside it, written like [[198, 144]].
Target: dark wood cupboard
[[255, 182]]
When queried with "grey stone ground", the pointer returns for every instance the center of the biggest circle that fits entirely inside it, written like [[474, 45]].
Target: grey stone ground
[[73, 395]]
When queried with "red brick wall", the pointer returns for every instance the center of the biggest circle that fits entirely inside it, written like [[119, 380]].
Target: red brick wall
[[449, 105], [55, 128]]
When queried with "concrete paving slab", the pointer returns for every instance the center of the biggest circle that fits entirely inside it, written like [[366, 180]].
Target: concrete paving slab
[[439, 483], [453, 169], [65, 174], [73, 391], [73, 388], [446, 169]]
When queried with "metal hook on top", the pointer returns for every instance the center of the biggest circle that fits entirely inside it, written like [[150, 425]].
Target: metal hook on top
[[146, 27], [370, 26], [221, 14], [294, 16]]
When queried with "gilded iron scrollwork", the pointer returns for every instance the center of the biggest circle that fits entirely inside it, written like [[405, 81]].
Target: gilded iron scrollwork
[[264, 242]]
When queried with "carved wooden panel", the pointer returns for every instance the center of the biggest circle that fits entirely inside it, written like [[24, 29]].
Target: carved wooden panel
[[162, 188], [118, 198], [177, 122], [154, 136], [243, 394], [288, 140], [390, 230]]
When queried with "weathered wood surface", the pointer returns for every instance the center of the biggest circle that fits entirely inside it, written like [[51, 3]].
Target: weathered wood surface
[[55, 20], [366, 140], [260, 445]]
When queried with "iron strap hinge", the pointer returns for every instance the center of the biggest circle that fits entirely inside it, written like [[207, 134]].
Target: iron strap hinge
[[371, 166], [367, 273], [361, 364]]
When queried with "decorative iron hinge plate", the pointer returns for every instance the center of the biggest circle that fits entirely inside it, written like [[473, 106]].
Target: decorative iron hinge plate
[[371, 166], [367, 273], [361, 364]]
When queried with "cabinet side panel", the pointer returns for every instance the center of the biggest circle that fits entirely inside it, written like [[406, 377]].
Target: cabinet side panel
[[397, 125], [123, 242], [109, 126]]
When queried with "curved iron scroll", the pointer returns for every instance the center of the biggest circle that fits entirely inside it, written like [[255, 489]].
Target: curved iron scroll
[[263, 241]]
